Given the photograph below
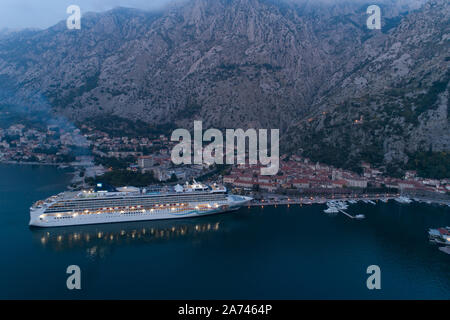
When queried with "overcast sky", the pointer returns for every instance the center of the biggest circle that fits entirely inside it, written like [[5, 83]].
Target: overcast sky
[[16, 14], [45, 13]]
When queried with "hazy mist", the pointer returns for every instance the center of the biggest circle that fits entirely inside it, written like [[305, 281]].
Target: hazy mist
[[17, 14]]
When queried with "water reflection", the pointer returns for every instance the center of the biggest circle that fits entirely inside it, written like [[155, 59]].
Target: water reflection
[[98, 240]]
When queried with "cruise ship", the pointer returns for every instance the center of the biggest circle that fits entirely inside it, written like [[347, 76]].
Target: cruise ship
[[106, 204]]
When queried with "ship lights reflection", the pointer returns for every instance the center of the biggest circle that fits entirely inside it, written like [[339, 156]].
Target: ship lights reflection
[[98, 240]]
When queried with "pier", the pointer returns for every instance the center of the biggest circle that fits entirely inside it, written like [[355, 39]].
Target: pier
[[348, 215], [301, 202]]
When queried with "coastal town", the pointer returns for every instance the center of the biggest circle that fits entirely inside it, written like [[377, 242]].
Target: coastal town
[[94, 153]]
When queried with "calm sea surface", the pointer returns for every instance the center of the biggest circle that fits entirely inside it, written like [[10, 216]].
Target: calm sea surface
[[257, 253]]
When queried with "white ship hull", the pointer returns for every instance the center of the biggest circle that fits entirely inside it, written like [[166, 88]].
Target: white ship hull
[[39, 219]]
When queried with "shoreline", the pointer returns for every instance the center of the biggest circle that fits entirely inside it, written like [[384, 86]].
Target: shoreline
[[35, 163], [307, 201], [74, 171], [71, 165], [325, 200]]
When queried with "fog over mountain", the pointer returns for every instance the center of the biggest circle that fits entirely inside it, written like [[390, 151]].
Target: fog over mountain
[[339, 92], [25, 14], [21, 14]]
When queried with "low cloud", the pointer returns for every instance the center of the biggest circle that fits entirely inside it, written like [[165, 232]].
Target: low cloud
[[18, 14]]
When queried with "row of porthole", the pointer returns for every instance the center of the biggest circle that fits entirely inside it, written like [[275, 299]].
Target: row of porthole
[[128, 213]]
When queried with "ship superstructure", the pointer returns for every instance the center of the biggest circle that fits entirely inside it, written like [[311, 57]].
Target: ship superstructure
[[105, 204]]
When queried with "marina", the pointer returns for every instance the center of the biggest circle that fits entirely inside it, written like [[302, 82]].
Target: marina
[[369, 200], [340, 206], [335, 206], [308, 201]]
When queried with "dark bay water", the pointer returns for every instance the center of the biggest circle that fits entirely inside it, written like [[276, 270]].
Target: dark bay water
[[273, 253]]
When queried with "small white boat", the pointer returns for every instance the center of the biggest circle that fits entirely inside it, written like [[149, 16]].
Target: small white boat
[[341, 205], [440, 235], [403, 199], [331, 210], [360, 216]]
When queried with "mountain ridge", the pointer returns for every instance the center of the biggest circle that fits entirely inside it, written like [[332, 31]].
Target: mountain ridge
[[250, 63]]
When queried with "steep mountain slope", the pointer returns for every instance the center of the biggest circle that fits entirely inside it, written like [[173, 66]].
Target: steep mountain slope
[[393, 105], [248, 62], [309, 68]]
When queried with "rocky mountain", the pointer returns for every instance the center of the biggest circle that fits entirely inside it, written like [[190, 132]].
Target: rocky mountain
[[393, 107], [310, 68]]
